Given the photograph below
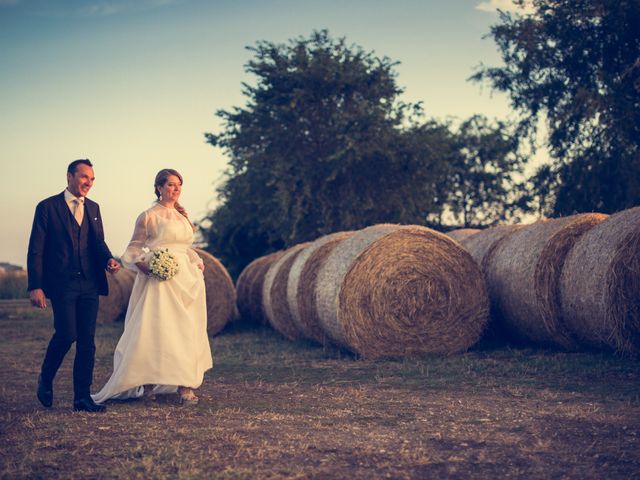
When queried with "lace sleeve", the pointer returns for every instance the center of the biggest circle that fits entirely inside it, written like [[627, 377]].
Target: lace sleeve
[[136, 251]]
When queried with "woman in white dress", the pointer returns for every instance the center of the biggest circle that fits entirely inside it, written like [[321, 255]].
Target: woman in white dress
[[164, 347]]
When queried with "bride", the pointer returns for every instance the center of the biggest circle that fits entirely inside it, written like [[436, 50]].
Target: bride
[[164, 347]]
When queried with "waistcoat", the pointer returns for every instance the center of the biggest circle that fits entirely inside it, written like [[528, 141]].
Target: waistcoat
[[81, 264]]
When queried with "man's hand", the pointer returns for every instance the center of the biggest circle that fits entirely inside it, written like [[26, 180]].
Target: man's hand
[[37, 298], [113, 266], [201, 266]]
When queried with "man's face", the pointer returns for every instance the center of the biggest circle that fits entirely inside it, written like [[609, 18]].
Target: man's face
[[81, 181]]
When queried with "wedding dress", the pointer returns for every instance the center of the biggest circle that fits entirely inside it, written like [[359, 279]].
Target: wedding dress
[[165, 341]]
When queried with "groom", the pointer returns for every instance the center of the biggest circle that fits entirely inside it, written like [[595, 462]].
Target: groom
[[65, 263]]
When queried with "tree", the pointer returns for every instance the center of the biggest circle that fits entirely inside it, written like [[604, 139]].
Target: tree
[[481, 186], [323, 144], [577, 64]]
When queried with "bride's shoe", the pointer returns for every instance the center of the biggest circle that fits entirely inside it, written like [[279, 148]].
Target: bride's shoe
[[148, 395], [187, 397]]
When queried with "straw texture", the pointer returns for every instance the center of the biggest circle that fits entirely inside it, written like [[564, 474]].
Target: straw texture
[[301, 287], [114, 306], [220, 292], [249, 288], [600, 284], [462, 233], [125, 279], [480, 243], [110, 306], [274, 294], [244, 285], [523, 277], [390, 290]]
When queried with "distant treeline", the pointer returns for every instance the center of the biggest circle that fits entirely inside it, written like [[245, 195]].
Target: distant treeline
[[324, 144], [13, 284]]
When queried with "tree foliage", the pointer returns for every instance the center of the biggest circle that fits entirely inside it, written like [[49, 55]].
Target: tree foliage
[[317, 148], [481, 185], [324, 144], [577, 64]]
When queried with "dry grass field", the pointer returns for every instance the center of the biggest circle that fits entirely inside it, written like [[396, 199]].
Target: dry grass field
[[276, 409]]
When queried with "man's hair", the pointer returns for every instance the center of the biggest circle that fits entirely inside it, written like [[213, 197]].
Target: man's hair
[[74, 165]]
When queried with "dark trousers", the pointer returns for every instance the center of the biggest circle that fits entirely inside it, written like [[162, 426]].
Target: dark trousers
[[74, 320]]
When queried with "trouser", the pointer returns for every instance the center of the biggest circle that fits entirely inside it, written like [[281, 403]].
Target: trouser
[[74, 320]]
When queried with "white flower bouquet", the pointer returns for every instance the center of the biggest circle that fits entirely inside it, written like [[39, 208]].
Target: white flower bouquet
[[163, 264]]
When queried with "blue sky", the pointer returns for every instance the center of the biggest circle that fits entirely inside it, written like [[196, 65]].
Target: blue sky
[[134, 85]]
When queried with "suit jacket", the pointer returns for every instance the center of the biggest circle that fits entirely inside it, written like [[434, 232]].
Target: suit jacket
[[50, 255]]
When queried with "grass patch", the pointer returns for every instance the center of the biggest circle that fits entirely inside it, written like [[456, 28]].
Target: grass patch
[[277, 409]]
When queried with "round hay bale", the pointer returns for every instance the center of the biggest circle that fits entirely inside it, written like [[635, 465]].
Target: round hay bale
[[257, 285], [600, 284], [461, 233], [125, 279], [110, 306], [523, 278], [220, 291], [249, 287], [242, 291], [392, 290], [480, 243], [301, 288], [274, 294]]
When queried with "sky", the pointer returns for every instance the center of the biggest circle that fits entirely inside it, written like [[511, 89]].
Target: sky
[[135, 85]]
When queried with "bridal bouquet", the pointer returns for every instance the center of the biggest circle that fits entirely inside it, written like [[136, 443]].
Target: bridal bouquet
[[163, 264]]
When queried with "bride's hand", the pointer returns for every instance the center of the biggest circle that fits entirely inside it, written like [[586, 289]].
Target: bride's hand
[[144, 268], [201, 266]]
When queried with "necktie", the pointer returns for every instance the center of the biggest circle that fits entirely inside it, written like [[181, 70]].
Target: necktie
[[78, 210]]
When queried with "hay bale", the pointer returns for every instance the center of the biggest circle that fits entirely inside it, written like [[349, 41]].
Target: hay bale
[[461, 233], [220, 291], [523, 278], [479, 244], [125, 279], [301, 287], [600, 284], [249, 288], [274, 294], [243, 288], [392, 290], [114, 306], [110, 306]]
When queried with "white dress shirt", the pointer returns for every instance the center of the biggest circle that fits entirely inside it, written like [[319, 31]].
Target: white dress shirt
[[75, 204]]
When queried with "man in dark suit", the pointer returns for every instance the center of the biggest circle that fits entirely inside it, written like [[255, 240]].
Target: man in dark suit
[[66, 263]]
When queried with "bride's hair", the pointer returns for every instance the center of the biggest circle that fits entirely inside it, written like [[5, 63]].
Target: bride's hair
[[161, 179]]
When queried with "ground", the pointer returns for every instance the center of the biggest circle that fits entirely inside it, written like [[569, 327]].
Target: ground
[[271, 408]]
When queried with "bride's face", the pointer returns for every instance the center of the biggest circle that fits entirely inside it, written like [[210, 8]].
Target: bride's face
[[170, 191]]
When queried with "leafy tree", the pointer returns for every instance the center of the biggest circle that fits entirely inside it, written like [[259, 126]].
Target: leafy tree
[[542, 192], [323, 144], [481, 185], [577, 64]]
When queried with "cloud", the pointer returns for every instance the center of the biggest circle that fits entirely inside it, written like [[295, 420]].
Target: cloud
[[105, 8], [4, 3], [100, 8], [504, 5]]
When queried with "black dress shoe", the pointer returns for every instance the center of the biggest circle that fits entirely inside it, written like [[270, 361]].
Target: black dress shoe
[[87, 404], [44, 393]]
